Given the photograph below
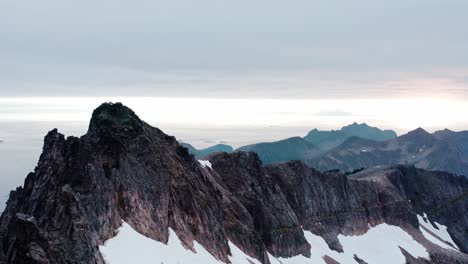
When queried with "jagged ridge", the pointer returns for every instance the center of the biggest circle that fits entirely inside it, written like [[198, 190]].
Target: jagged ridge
[[124, 169]]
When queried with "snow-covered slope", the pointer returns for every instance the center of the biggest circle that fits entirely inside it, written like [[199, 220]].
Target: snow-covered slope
[[380, 245], [438, 236], [129, 246]]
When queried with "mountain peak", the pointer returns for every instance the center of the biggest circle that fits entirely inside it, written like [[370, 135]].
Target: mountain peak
[[359, 124], [444, 134], [418, 135], [445, 130], [419, 131], [356, 125], [369, 132], [115, 116]]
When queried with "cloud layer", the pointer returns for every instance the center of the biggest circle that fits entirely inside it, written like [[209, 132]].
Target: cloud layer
[[207, 48]]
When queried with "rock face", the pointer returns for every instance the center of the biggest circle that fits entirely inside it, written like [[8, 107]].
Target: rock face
[[444, 151], [125, 170], [270, 217]]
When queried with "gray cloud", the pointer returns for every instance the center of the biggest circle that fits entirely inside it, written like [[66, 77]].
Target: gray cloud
[[298, 49]]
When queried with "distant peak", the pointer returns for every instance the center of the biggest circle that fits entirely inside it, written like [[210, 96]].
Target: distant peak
[[116, 116], [356, 125], [420, 132], [363, 130], [446, 130]]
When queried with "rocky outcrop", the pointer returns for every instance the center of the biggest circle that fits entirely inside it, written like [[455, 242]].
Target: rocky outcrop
[[271, 217], [125, 170]]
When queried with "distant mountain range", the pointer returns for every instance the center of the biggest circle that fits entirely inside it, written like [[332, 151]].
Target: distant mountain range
[[362, 146], [444, 150], [327, 140], [314, 143], [200, 153]]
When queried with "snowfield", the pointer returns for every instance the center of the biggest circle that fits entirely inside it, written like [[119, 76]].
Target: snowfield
[[380, 245], [129, 246], [441, 234]]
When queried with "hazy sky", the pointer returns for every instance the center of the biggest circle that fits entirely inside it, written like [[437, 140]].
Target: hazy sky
[[399, 63], [204, 48]]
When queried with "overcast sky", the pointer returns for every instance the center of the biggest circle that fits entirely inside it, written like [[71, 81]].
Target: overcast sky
[[250, 49]]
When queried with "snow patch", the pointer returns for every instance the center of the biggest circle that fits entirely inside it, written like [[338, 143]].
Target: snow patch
[[441, 232], [129, 246], [239, 257], [205, 163], [380, 245]]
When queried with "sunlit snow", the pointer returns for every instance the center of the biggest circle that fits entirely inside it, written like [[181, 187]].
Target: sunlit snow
[[129, 246], [205, 163], [442, 233]]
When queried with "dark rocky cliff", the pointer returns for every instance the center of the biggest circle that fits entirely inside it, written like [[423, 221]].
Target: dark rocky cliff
[[331, 203], [122, 169], [125, 170]]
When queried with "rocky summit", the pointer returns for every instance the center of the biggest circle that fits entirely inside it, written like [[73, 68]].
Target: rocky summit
[[126, 171]]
